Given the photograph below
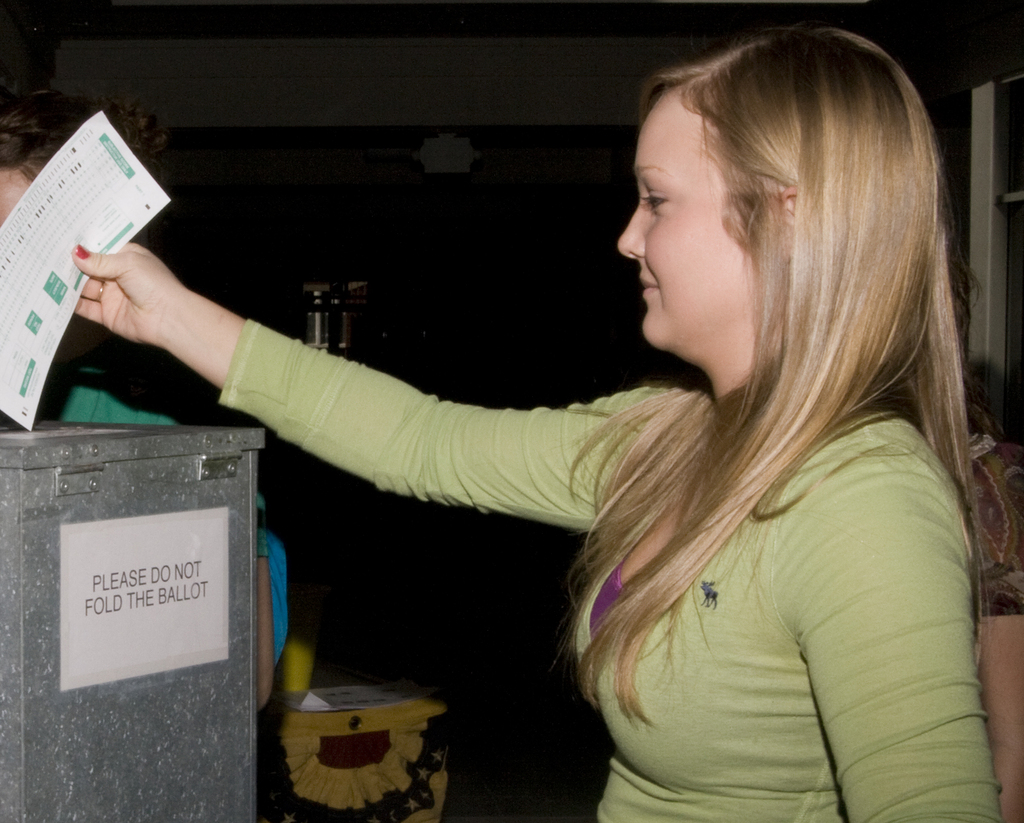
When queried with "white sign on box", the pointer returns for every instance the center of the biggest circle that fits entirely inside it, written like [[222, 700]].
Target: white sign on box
[[140, 595]]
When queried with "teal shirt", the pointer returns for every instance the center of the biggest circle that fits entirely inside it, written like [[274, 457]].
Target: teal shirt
[[87, 404], [832, 680]]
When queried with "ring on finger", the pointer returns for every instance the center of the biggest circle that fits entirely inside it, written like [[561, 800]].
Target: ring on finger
[[99, 295]]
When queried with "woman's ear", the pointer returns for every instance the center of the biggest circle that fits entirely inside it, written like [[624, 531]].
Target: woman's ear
[[788, 197]]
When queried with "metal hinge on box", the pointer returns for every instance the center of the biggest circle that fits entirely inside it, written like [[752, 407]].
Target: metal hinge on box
[[218, 466], [77, 479]]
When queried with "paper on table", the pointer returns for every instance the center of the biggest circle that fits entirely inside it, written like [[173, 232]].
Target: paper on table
[[362, 696], [93, 191]]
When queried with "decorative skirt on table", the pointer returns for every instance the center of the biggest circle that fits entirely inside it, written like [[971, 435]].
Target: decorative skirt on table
[[380, 765]]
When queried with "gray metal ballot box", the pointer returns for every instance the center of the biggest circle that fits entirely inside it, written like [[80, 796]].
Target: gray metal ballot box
[[127, 624]]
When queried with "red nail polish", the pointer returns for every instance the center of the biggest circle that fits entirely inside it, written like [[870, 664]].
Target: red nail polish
[[81, 253]]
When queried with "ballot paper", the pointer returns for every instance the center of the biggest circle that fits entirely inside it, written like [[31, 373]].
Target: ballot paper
[[94, 192]]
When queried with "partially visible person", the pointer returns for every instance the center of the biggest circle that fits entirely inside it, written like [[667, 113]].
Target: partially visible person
[[998, 474], [999, 488], [34, 127], [775, 612], [96, 377]]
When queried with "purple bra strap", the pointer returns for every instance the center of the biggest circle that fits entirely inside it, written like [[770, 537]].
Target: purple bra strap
[[609, 592]]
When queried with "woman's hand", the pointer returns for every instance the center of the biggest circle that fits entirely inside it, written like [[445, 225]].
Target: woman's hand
[[127, 292], [136, 296]]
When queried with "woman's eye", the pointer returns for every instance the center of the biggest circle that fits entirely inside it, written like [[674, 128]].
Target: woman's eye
[[651, 202]]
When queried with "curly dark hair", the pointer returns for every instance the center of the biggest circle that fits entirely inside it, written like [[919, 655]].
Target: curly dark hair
[[34, 127]]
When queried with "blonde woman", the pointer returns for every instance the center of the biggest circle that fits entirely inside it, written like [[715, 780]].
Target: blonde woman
[[775, 612]]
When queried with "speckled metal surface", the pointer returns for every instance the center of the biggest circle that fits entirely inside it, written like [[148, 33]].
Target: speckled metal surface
[[174, 746]]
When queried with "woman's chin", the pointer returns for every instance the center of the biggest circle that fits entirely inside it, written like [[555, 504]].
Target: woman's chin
[[654, 334]]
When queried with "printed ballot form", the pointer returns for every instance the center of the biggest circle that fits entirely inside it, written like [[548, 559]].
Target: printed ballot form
[[94, 192]]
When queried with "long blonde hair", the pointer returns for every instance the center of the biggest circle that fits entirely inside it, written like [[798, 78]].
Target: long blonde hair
[[855, 322]]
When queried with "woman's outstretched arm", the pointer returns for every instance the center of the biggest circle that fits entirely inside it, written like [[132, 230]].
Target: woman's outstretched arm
[[358, 419], [136, 296]]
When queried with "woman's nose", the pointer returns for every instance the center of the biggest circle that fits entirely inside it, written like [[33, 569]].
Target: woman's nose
[[631, 241]]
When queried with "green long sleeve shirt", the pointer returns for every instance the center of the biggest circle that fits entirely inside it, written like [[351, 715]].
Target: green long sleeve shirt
[[825, 670]]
